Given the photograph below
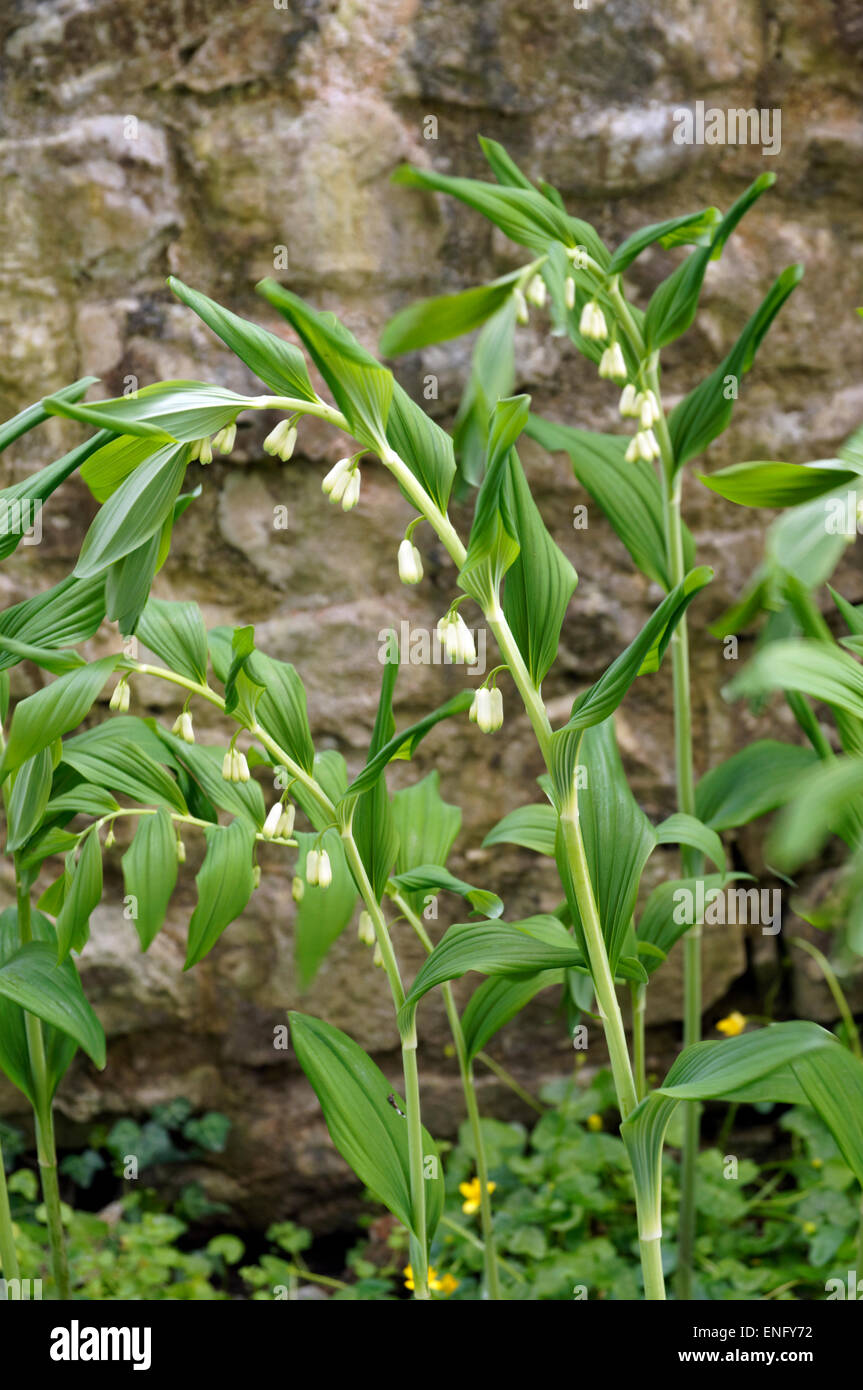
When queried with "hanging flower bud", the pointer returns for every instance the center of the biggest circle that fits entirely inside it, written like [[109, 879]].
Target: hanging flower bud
[[628, 408], [633, 451], [240, 771], [285, 828], [120, 696], [612, 366], [351, 493], [256, 875], [271, 824], [578, 256], [536, 292], [110, 838], [482, 701], [378, 957], [648, 446], [281, 440], [592, 322], [366, 930], [495, 710], [336, 480], [225, 440], [456, 638], [472, 712], [521, 311], [298, 889], [205, 451], [183, 727], [648, 409], [410, 563], [181, 851], [228, 766], [312, 864], [569, 293], [325, 872]]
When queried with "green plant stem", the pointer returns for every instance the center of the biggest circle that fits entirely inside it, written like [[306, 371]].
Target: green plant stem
[[836, 990], [672, 478], [418, 1237], [638, 994], [651, 1265], [8, 1253], [45, 1145], [509, 1080], [471, 1105]]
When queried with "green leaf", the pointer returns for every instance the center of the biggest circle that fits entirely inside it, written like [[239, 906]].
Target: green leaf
[[426, 824], [422, 445], [776, 484], [503, 166], [361, 387], [128, 581], [666, 917], [674, 303], [111, 465], [36, 414], [618, 839], [814, 668], [642, 655], [492, 378], [150, 873], [532, 827], [20, 503], [280, 365], [32, 979], [367, 1131], [539, 583], [281, 708], [523, 214], [139, 507], [824, 794], [492, 948], [445, 316], [431, 878], [225, 883], [628, 494], [83, 894], [797, 1061], [751, 783], [203, 762], [116, 762], [69, 612], [706, 411], [694, 228], [404, 745], [497, 1001], [31, 788], [178, 411], [175, 632], [322, 913], [82, 799], [681, 829], [493, 545], [41, 718]]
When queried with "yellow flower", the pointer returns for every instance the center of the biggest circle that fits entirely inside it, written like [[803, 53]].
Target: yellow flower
[[818, 1163], [733, 1025], [594, 1123], [809, 1228], [471, 1191], [445, 1284]]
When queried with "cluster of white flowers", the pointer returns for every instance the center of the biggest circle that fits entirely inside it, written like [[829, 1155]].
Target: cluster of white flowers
[[183, 727], [456, 637], [342, 483], [319, 872], [279, 824], [487, 710], [643, 407], [281, 441], [234, 766], [120, 696], [612, 366], [592, 322]]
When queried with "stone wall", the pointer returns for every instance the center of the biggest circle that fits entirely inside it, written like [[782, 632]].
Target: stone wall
[[184, 137]]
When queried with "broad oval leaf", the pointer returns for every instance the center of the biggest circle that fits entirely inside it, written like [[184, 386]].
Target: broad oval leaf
[[150, 873], [225, 883]]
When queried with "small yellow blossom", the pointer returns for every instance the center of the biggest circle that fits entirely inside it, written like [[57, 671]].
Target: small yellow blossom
[[445, 1284], [818, 1163], [809, 1228], [733, 1025], [594, 1123], [472, 1192]]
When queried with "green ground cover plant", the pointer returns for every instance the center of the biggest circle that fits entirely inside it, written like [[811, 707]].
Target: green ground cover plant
[[74, 789]]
